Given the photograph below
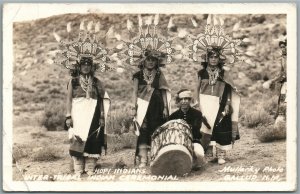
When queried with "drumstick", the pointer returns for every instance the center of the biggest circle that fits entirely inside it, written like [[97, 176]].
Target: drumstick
[[205, 122]]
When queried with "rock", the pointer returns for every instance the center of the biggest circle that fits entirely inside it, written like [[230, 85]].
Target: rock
[[249, 62], [250, 54], [251, 48], [241, 75], [267, 84]]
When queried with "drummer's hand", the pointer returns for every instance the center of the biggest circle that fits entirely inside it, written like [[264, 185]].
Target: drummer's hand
[[69, 122], [165, 113], [101, 122]]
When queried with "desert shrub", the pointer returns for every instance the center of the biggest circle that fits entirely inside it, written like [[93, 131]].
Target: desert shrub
[[54, 115], [38, 135], [270, 104], [271, 133], [118, 122], [19, 153], [255, 118], [55, 91], [120, 142], [46, 154], [254, 76]]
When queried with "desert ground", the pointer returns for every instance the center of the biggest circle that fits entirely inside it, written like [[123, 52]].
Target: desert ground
[[40, 145]]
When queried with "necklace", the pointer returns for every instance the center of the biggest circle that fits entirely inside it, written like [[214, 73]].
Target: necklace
[[213, 75], [84, 82], [86, 85], [149, 76]]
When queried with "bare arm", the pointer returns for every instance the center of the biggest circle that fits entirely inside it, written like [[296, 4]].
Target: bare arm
[[164, 95], [101, 106], [69, 121], [69, 98], [135, 91], [198, 92]]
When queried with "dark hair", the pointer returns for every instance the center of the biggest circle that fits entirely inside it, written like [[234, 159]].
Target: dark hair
[[282, 42], [88, 59], [142, 64], [211, 52]]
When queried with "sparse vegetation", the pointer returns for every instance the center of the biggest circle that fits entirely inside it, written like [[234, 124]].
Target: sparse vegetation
[[37, 82], [271, 133], [48, 153], [54, 115], [254, 118]]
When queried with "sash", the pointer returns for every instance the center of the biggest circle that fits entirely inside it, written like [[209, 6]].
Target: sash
[[144, 96], [210, 105]]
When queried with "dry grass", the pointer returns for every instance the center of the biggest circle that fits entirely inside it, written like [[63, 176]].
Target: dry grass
[[120, 142], [271, 133], [54, 115], [46, 154], [254, 118]]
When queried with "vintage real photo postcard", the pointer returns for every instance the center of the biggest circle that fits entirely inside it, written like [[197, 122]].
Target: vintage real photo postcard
[[149, 97]]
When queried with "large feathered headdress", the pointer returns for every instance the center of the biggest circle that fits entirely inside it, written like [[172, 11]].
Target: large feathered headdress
[[149, 41], [88, 44], [214, 38]]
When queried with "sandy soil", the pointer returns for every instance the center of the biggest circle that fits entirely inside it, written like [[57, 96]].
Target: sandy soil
[[247, 156]]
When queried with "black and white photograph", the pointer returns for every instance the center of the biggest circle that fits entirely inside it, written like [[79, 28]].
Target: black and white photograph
[[149, 97]]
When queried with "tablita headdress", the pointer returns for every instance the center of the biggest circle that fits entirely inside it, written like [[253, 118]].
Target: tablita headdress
[[87, 45], [214, 38], [149, 41]]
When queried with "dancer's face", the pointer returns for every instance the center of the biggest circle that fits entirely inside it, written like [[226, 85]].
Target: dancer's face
[[213, 59], [283, 49], [150, 63], [85, 66]]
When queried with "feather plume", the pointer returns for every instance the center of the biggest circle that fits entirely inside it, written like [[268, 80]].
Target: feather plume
[[156, 19], [129, 25], [221, 21], [56, 36], [170, 24], [110, 32], [69, 24], [82, 25], [149, 20], [194, 22], [118, 36], [236, 27], [97, 27], [216, 21], [90, 25], [208, 21], [140, 20]]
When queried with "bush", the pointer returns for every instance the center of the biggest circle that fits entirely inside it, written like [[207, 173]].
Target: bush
[[270, 105], [118, 122], [46, 154], [19, 153], [271, 133], [255, 118], [119, 142], [54, 115]]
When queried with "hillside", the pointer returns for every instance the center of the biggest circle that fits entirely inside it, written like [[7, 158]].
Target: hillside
[[35, 46], [39, 90]]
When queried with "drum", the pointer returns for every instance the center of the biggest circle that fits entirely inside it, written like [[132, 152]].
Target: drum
[[172, 149]]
